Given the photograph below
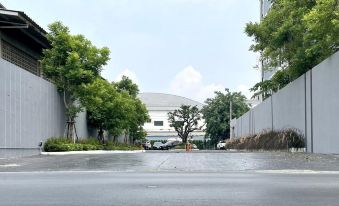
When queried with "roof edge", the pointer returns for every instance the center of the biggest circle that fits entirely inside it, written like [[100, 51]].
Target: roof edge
[[172, 95]]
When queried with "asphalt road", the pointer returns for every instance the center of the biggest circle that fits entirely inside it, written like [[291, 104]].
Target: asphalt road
[[171, 179]]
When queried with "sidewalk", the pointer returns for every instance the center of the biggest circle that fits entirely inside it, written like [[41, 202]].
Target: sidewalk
[[94, 152]]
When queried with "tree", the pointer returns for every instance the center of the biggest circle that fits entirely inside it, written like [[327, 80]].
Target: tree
[[296, 35], [107, 109], [266, 88], [140, 114], [127, 85], [71, 62], [114, 111], [185, 120], [216, 113], [322, 29], [139, 117]]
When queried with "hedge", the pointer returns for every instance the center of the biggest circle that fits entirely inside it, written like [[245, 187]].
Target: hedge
[[62, 144]]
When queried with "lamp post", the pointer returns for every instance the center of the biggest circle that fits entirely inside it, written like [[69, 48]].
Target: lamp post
[[231, 130]]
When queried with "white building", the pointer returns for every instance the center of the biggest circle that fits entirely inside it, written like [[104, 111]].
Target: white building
[[158, 106], [266, 74]]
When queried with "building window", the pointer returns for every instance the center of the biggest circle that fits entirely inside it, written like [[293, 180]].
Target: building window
[[158, 123], [149, 121], [19, 58]]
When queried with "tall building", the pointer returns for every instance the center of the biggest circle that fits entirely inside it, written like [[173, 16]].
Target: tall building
[[265, 6], [266, 74]]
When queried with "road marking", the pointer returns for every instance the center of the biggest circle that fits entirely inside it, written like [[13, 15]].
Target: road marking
[[296, 172], [10, 165], [152, 186]]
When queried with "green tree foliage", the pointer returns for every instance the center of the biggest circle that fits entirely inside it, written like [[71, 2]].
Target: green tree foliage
[[322, 30], [127, 85], [71, 62], [138, 119], [296, 35], [185, 120], [140, 115], [114, 111], [268, 87], [106, 107], [216, 113]]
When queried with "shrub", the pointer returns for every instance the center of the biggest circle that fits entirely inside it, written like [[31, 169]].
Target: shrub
[[61, 144], [269, 140], [200, 144]]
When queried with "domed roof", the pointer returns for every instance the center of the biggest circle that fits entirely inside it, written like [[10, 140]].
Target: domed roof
[[160, 101]]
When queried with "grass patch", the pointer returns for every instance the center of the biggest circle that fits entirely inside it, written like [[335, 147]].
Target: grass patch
[[61, 144], [269, 140]]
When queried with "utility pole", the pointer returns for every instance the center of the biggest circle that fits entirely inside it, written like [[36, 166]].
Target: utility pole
[[231, 129]]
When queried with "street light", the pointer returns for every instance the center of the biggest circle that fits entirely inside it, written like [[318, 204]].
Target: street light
[[231, 130]]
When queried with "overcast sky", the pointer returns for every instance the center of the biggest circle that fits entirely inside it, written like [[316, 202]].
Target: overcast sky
[[185, 47]]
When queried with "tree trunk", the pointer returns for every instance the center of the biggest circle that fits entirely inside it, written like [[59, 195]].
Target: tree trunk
[[100, 136], [70, 122], [187, 145], [71, 131]]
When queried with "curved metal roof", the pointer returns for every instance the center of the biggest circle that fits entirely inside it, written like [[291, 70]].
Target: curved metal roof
[[161, 101]]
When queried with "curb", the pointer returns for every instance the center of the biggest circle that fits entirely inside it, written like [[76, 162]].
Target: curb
[[93, 152]]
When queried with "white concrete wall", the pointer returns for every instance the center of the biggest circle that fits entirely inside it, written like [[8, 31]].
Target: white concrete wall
[[309, 104]]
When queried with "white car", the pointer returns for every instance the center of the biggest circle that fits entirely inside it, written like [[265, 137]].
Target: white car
[[147, 145], [221, 145]]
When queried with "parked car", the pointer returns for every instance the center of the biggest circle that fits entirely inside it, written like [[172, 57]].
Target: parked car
[[221, 145], [147, 145], [170, 144], [157, 145]]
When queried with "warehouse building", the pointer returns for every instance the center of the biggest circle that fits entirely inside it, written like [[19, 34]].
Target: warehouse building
[[158, 106]]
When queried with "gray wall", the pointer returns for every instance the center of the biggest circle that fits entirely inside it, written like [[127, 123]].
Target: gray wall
[[325, 105], [309, 104], [31, 109]]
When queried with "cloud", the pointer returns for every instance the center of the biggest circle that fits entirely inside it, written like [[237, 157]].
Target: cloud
[[128, 73], [188, 83], [209, 3], [244, 89]]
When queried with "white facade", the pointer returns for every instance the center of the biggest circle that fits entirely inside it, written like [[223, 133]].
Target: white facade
[[158, 106], [265, 6], [266, 73], [158, 116]]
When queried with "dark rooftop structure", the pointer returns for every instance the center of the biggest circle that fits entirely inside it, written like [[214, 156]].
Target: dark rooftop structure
[[22, 40]]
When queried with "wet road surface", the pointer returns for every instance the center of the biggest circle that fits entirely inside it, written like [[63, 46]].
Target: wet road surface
[[171, 179], [174, 162]]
